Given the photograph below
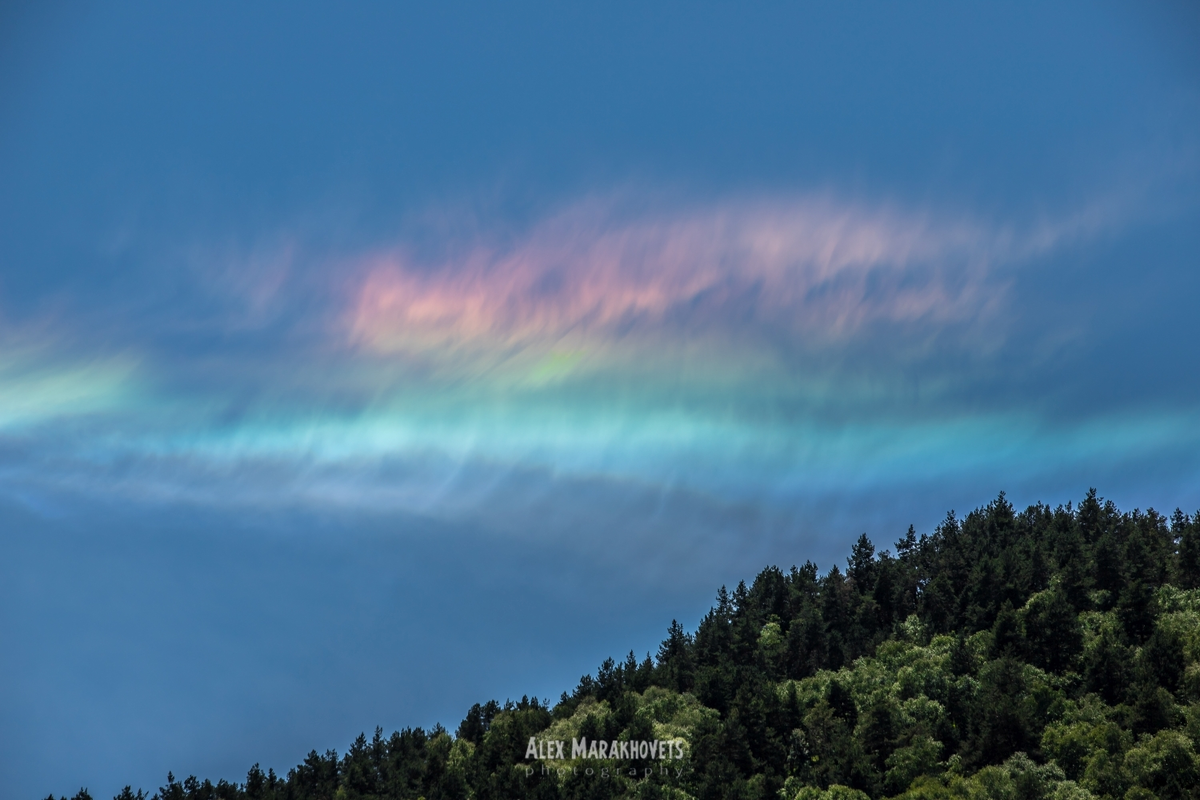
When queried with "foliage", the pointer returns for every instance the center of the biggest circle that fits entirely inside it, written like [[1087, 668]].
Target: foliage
[[1048, 653]]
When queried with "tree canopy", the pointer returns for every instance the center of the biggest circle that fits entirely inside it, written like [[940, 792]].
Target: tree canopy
[[1046, 653]]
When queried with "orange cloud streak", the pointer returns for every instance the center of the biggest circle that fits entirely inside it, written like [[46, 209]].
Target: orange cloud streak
[[809, 268]]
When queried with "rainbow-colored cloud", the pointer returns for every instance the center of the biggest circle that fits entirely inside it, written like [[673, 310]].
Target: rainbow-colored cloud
[[809, 271], [748, 352]]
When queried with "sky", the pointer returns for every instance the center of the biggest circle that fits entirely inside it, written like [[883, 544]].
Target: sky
[[361, 364]]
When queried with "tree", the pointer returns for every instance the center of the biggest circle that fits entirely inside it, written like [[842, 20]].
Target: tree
[[1052, 633], [847, 684]]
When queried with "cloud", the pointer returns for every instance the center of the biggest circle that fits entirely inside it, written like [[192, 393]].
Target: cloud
[[40, 383], [807, 270], [635, 353]]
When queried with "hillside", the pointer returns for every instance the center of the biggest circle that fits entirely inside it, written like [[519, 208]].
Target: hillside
[[1046, 653]]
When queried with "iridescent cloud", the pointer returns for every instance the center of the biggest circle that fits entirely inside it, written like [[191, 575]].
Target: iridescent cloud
[[40, 383], [727, 353], [810, 270]]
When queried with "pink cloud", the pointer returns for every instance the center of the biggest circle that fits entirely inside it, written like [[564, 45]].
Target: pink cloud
[[812, 268]]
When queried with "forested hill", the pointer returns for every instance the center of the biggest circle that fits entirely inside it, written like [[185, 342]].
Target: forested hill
[[1052, 652]]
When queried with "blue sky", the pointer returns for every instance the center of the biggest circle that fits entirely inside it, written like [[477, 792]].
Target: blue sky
[[360, 365]]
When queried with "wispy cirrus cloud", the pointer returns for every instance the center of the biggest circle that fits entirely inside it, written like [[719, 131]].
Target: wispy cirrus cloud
[[681, 322], [42, 380], [810, 270]]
